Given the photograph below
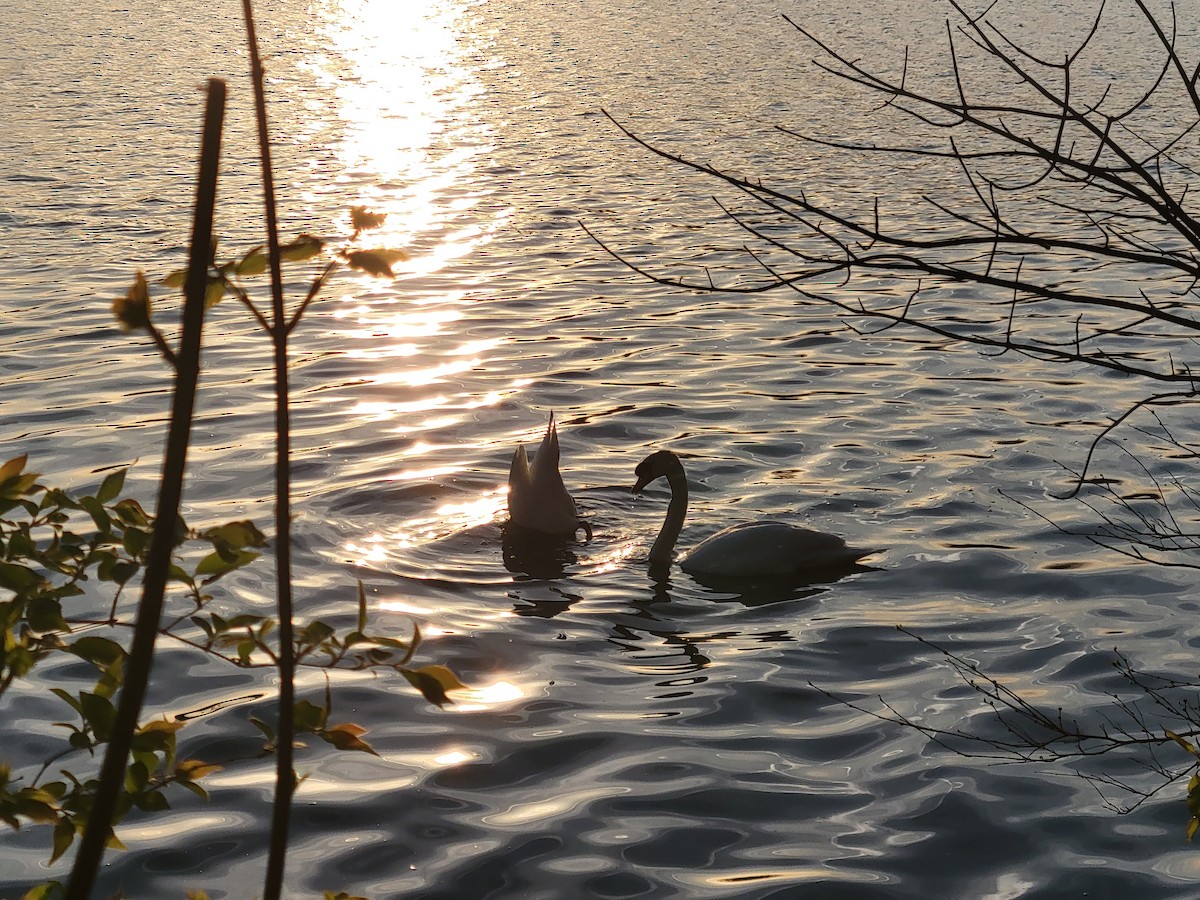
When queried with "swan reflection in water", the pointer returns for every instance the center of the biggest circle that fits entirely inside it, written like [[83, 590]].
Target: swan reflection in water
[[758, 591], [535, 554]]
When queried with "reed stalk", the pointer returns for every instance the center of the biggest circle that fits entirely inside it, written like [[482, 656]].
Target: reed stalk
[[285, 774], [187, 373]]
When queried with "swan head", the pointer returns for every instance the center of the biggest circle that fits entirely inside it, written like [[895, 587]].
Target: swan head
[[661, 463]]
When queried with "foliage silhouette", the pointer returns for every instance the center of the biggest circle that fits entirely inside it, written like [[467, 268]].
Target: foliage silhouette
[[61, 550], [1072, 237]]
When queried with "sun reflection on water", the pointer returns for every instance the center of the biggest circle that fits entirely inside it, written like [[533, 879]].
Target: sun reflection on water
[[444, 520], [454, 758], [474, 699], [405, 85], [411, 143]]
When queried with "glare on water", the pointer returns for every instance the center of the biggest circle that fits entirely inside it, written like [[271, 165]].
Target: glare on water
[[621, 734]]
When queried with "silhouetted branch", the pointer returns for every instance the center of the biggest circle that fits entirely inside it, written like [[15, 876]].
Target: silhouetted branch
[[1056, 184]]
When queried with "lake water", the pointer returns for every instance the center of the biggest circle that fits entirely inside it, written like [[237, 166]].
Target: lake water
[[621, 737]]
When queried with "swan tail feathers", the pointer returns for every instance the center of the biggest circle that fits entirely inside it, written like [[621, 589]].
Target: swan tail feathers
[[518, 469], [548, 454]]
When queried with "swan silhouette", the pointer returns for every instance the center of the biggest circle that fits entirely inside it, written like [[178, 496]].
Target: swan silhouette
[[754, 549], [537, 498]]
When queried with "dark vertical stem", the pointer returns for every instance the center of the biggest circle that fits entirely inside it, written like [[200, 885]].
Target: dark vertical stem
[[285, 775], [154, 583]]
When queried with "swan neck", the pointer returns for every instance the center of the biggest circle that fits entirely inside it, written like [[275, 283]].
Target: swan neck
[[673, 524]]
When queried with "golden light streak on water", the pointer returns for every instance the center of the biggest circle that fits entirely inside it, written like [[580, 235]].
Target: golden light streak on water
[[445, 520], [406, 87], [455, 758], [614, 559], [474, 698]]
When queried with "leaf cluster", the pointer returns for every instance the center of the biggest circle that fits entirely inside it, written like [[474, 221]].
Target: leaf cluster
[[58, 550], [228, 278]]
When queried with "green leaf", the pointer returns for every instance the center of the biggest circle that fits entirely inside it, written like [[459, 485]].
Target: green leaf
[[64, 836], [194, 769], [13, 484], [363, 219], [156, 736], [214, 292], [45, 614], [347, 736], [1191, 829], [137, 776], [100, 652], [412, 645], [306, 246], [99, 713], [393, 643], [1193, 799], [309, 717], [176, 279], [245, 649], [445, 677], [99, 514], [196, 789], [151, 801], [123, 571], [175, 573], [130, 512], [242, 621], [374, 262], [237, 535], [36, 805], [215, 564], [135, 540], [13, 467], [203, 625], [49, 890], [133, 310], [253, 263], [18, 579], [362, 608], [110, 488], [431, 689], [21, 545], [267, 730], [315, 632]]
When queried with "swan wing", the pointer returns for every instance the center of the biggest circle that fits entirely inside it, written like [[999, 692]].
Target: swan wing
[[767, 549], [519, 499], [556, 507]]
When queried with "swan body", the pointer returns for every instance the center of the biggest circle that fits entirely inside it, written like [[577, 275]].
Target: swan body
[[537, 498], [754, 549]]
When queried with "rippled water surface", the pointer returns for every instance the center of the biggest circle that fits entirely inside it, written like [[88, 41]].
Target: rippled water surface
[[621, 737]]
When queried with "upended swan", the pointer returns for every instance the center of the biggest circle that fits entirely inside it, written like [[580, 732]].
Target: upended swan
[[753, 549], [537, 498]]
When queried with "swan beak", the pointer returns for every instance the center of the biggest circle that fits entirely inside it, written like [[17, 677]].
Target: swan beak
[[641, 484]]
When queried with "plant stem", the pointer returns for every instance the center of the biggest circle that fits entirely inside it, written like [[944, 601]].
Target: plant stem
[[154, 583], [285, 775]]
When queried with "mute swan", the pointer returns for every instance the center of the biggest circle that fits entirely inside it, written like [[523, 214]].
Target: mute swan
[[761, 549], [537, 498]]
